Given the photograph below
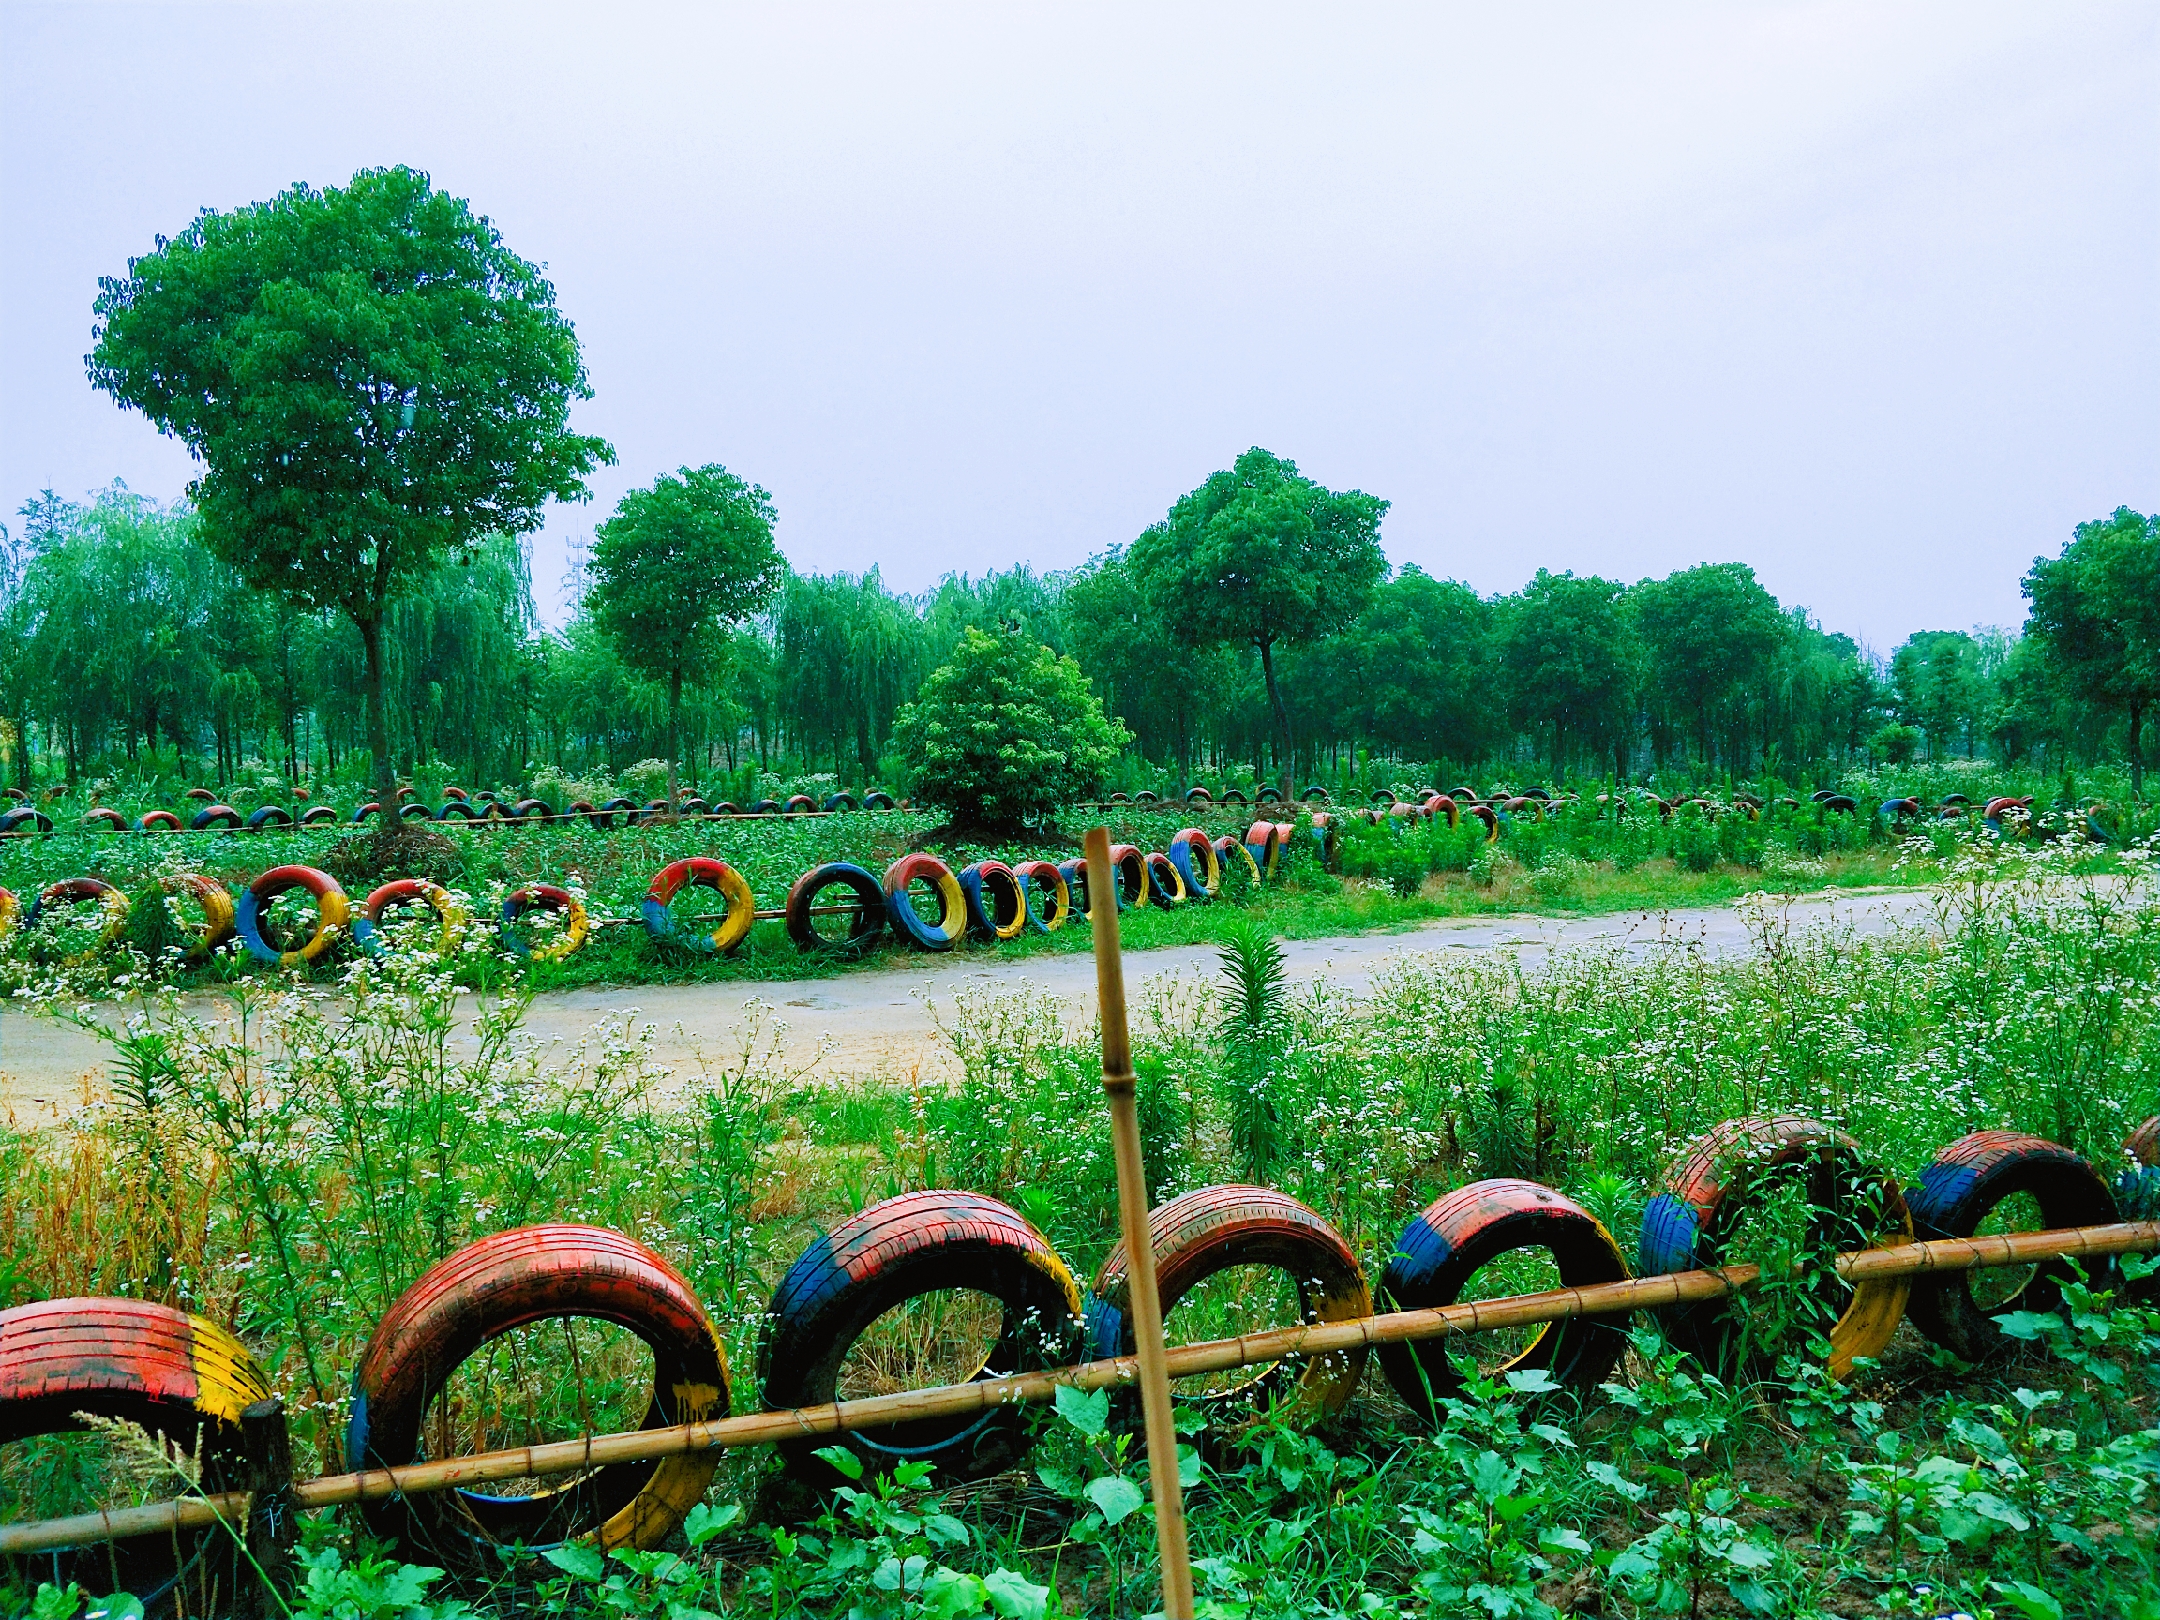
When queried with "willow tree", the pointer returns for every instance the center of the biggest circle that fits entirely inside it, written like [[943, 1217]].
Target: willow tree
[[372, 381], [674, 568]]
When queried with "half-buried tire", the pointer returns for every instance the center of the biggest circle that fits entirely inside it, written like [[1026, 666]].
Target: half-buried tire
[[1966, 1183], [534, 1274], [1212, 1229], [1464, 1232], [876, 1262]]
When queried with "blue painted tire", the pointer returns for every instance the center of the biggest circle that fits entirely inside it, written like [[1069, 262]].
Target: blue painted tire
[[1047, 894], [270, 815], [1197, 865], [1461, 1233], [877, 800], [996, 901], [873, 1263], [1166, 884], [1958, 1190], [216, 815], [414, 810], [836, 802], [25, 819], [863, 928], [316, 814], [940, 934], [457, 810]]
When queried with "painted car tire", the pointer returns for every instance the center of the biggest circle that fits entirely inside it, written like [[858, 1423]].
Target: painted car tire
[[459, 810], [838, 803], [1462, 1232], [1132, 875], [545, 897], [1956, 1191], [863, 928], [173, 1374], [201, 795], [25, 820], [1048, 895], [484, 1290], [219, 913], [414, 810], [74, 892], [2143, 1144], [1166, 884], [1212, 1229], [1076, 887], [269, 815], [700, 871], [332, 913], [105, 819], [367, 922], [1194, 856], [940, 934], [316, 814], [877, 800], [532, 810], [1229, 852], [919, 1243], [996, 903], [1267, 795], [157, 821], [799, 804], [1263, 843], [1685, 1227]]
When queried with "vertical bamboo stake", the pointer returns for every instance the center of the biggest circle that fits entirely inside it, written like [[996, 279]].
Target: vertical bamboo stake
[[1118, 1084]]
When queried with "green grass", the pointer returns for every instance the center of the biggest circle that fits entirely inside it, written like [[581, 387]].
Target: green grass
[[341, 1157]]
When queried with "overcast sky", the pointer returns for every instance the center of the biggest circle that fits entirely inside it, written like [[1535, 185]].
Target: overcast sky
[[1866, 296]]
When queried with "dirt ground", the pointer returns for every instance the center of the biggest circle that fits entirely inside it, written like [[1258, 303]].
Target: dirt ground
[[879, 1020]]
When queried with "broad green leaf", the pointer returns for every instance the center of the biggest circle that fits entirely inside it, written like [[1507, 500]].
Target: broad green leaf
[[1114, 1497]]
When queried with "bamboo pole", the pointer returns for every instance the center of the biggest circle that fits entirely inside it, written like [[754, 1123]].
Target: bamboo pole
[[1215, 1355], [1118, 1084]]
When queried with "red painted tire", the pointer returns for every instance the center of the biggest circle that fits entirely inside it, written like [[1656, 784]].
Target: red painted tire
[[1461, 1233], [170, 1372], [200, 795], [939, 933], [1691, 1220], [486, 1289], [158, 821], [105, 818], [1132, 874], [1230, 855], [1196, 862], [577, 927], [1049, 895], [870, 1264], [800, 804], [1956, 1192], [1212, 1229], [700, 871], [2143, 1144], [1263, 841]]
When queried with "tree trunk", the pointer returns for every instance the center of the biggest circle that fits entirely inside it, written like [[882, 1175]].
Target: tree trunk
[[1283, 753], [2137, 756], [674, 729], [378, 714]]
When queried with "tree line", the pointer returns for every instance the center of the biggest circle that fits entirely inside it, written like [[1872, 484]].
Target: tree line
[[379, 389], [127, 646]]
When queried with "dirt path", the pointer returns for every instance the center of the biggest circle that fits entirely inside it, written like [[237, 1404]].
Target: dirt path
[[879, 1021]]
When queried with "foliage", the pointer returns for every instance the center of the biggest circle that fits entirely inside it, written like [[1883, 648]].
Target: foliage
[[1005, 732], [2096, 615], [373, 382], [676, 565], [1261, 556]]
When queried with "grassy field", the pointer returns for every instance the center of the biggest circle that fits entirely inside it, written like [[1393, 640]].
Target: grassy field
[[291, 1175]]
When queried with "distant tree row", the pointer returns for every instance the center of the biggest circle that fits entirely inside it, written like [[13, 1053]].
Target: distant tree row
[[126, 645], [379, 391]]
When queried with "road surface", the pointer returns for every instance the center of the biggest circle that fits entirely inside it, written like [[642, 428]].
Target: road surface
[[878, 1020]]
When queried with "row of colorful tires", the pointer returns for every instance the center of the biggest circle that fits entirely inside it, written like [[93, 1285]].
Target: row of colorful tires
[[989, 901], [190, 1379], [456, 806]]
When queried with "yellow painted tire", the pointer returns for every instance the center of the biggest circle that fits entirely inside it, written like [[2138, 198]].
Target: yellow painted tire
[[702, 872], [219, 914], [546, 897], [367, 926], [333, 912], [10, 912], [73, 891]]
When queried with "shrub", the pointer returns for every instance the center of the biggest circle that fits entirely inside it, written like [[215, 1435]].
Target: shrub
[[1006, 731]]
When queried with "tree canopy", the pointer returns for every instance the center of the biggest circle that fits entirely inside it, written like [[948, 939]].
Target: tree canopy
[[1006, 730], [2096, 612], [372, 380], [674, 568], [1262, 556]]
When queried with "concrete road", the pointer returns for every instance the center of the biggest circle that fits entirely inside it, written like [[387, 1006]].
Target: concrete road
[[878, 1020]]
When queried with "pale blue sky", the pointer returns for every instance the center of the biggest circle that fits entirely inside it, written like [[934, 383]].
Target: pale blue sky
[[1866, 296]]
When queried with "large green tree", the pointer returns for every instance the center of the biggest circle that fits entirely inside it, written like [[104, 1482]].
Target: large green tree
[[370, 377], [1261, 556], [1569, 656], [674, 568], [2096, 620], [1711, 635]]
